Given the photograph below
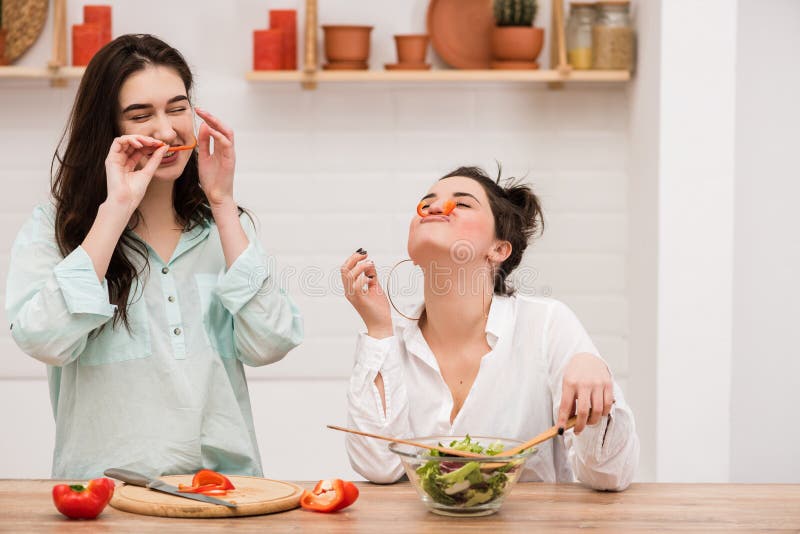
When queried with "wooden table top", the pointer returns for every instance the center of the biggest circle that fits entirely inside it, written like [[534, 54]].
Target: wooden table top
[[26, 506]]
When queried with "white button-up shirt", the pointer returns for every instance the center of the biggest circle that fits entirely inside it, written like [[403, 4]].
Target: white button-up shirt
[[516, 394]]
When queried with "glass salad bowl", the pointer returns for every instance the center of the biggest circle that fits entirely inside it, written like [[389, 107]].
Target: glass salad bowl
[[460, 486]]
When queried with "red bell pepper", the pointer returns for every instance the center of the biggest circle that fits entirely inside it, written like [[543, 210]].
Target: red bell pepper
[[208, 482], [207, 476], [447, 209], [184, 147], [183, 488], [329, 496], [83, 502]]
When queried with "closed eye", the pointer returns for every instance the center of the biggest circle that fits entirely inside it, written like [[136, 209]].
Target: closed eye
[[177, 110]]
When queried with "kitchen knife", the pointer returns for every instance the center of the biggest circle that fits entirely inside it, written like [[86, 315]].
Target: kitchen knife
[[138, 479]]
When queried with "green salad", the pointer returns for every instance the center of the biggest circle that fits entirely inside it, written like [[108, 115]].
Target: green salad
[[465, 484]]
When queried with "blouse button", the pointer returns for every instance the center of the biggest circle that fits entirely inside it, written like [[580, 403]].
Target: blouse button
[[164, 270], [171, 298], [177, 331]]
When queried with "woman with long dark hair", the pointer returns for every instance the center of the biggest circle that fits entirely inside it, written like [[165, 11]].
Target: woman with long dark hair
[[475, 357], [143, 286]]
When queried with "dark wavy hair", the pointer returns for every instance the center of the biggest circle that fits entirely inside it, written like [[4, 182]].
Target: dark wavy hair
[[517, 217], [79, 184]]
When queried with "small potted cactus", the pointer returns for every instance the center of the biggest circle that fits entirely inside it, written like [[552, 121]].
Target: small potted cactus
[[516, 43]]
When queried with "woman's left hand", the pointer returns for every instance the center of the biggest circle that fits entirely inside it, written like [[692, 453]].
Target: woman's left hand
[[216, 170], [587, 391]]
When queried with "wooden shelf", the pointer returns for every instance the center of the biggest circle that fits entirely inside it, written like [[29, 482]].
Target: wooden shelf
[[25, 73], [443, 75], [14, 72], [311, 75], [71, 72], [561, 73], [367, 76]]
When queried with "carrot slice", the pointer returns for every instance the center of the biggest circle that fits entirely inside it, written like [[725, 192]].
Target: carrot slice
[[183, 147]]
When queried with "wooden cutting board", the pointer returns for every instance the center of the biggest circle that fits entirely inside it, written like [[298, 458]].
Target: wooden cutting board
[[253, 496]]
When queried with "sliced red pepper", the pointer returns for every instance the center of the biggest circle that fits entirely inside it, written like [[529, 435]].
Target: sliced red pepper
[[183, 147], [207, 476], [83, 502], [199, 489], [215, 492], [447, 209], [208, 489], [208, 482], [329, 496]]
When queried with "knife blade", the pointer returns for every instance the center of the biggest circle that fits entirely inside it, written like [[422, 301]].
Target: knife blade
[[138, 479]]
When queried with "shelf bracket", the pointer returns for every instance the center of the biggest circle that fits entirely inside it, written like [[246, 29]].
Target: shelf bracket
[[310, 63], [558, 44], [59, 55]]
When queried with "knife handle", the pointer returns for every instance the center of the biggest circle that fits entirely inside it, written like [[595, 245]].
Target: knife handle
[[125, 475]]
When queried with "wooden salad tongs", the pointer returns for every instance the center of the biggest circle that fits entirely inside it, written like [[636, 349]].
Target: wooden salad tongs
[[544, 436]]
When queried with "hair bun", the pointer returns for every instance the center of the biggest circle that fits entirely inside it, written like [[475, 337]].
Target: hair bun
[[530, 207]]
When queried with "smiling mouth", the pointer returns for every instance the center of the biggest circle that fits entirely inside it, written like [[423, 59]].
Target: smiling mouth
[[435, 218]]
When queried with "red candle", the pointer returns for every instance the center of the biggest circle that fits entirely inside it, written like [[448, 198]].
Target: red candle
[[86, 41], [286, 20], [267, 49], [100, 15]]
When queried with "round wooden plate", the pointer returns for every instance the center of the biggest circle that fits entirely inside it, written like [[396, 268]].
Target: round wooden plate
[[24, 21], [461, 32], [252, 496]]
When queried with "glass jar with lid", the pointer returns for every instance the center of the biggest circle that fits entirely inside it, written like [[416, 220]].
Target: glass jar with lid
[[582, 16], [612, 36]]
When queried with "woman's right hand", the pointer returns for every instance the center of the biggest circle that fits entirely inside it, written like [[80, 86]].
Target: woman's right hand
[[127, 184], [371, 303]]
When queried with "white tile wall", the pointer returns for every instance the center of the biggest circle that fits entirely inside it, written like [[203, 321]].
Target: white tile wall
[[334, 169]]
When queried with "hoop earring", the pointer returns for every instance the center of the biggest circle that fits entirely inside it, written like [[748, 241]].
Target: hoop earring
[[483, 293], [389, 295]]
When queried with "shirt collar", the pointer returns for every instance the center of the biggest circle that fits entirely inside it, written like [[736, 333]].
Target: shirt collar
[[497, 325], [499, 321], [191, 239]]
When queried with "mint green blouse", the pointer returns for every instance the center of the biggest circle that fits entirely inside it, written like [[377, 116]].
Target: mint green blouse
[[170, 396]]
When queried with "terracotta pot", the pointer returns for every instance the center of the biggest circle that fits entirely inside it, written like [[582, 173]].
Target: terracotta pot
[[407, 66], [517, 43], [515, 65], [346, 65], [3, 60], [411, 48], [346, 43]]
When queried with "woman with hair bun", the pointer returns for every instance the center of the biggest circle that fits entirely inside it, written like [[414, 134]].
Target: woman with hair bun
[[476, 358]]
